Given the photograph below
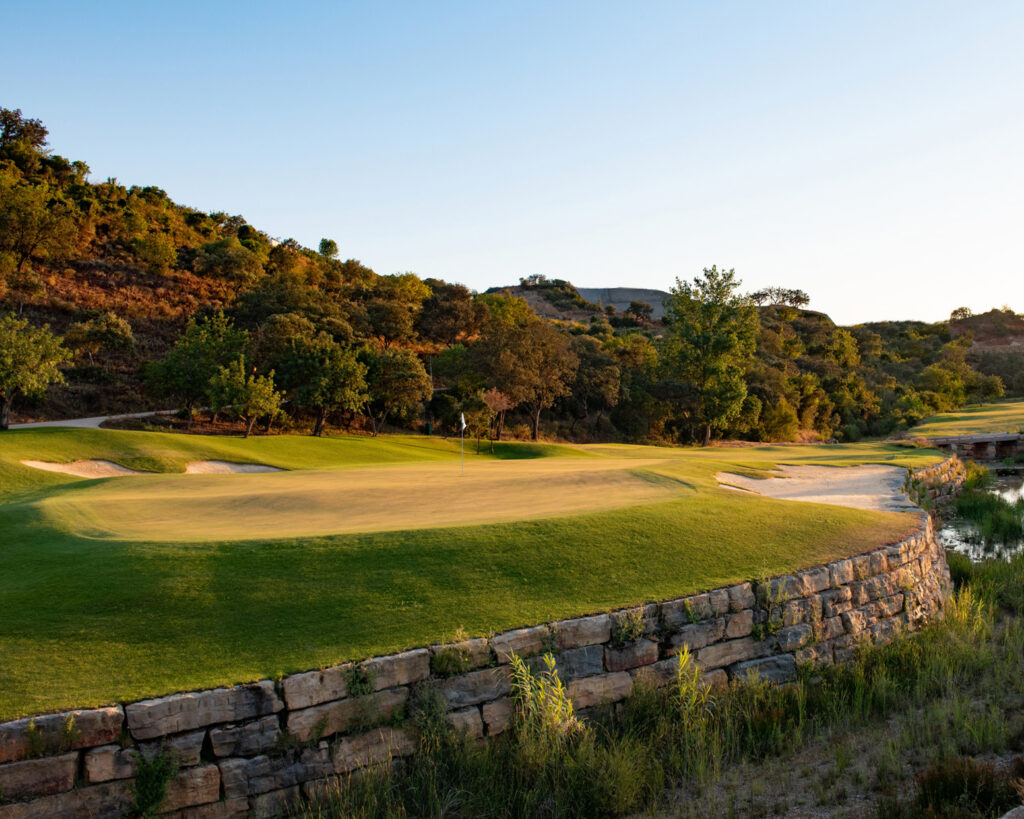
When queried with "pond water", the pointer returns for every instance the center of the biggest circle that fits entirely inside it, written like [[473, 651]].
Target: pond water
[[962, 535]]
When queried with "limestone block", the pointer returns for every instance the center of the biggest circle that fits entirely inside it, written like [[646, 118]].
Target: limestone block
[[716, 680], [192, 786], [583, 631], [801, 610], [497, 715], [740, 624], [38, 777], [246, 739], [580, 662], [840, 572], [467, 722], [793, 637], [344, 715], [897, 554], [524, 642], [184, 712], [475, 652], [112, 799], [780, 669], [476, 687], [733, 651], [263, 774], [883, 631], [372, 748], [853, 621], [659, 674], [835, 601], [398, 669], [275, 803], [109, 762], [814, 580], [741, 597], [784, 587], [698, 635], [832, 627], [315, 687], [719, 599], [633, 655], [59, 732], [888, 606], [819, 654], [601, 689]]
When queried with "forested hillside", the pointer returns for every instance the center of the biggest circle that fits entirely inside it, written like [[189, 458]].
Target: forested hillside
[[162, 305]]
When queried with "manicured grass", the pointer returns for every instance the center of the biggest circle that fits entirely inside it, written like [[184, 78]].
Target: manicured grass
[[1003, 417], [90, 620]]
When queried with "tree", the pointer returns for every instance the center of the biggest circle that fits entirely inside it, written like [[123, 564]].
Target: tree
[[229, 259], [640, 310], [711, 341], [324, 377], [780, 296], [15, 128], [244, 394], [397, 385], [184, 373], [449, 312], [30, 358], [36, 224], [329, 248], [597, 379], [156, 252], [960, 314], [109, 331], [498, 403]]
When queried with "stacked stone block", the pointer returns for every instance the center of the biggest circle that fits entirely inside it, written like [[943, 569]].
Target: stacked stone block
[[255, 749]]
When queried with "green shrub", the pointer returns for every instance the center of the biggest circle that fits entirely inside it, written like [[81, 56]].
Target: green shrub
[[627, 626], [153, 775]]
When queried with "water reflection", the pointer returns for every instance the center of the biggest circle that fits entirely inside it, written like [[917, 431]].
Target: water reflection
[[962, 535]]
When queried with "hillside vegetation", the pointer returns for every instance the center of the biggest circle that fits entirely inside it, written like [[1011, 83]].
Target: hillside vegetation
[[163, 305]]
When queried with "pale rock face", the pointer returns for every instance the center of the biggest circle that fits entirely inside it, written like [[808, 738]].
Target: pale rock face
[[604, 688], [398, 669], [583, 631], [316, 687], [641, 652], [184, 712], [332, 718], [38, 777], [372, 748], [524, 642]]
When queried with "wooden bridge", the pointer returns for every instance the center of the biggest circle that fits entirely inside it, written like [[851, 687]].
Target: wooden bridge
[[985, 447]]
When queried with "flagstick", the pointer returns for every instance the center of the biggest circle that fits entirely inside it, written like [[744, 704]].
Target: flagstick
[[462, 448]]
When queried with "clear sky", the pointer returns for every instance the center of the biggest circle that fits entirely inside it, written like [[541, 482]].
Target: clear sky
[[870, 153]]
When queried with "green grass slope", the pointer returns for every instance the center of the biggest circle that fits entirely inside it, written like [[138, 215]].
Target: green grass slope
[[975, 420], [90, 620]]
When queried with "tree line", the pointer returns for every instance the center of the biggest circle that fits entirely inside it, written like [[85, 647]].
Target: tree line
[[267, 331]]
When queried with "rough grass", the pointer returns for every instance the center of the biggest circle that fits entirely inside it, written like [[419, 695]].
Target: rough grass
[[88, 621], [995, 418]]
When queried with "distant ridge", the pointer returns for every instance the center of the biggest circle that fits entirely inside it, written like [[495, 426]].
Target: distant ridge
[[620, 297]]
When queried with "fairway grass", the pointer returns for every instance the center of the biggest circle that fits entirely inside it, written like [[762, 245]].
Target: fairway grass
[[106, 603], [1007, 416]]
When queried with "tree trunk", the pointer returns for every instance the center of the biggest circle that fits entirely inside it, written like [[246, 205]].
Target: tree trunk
[[188, 414], [321, 416], [536, 423], [270, 423], [5, 412], [707, 434], [249, 425]]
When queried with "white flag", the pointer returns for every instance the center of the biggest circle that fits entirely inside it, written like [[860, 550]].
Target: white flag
[[463, 422]]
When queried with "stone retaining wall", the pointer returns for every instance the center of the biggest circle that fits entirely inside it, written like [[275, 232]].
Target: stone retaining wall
[[940, 483], [257, 748]]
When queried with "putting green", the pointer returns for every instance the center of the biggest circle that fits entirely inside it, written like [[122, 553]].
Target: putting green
[[123, 588], [194, 508]]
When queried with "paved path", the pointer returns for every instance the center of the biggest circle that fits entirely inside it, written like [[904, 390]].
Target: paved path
[[88, 423]]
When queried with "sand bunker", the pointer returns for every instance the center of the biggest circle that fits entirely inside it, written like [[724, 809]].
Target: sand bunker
[[97, 468], [226, 468], [86, 469], [862, 487]]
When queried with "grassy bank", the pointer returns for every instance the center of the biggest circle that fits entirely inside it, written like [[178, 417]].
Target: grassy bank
[[91, 618], [931, 725], [1006, 416]]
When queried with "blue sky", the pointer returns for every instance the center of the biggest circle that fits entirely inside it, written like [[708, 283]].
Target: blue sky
[[870, 153]]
